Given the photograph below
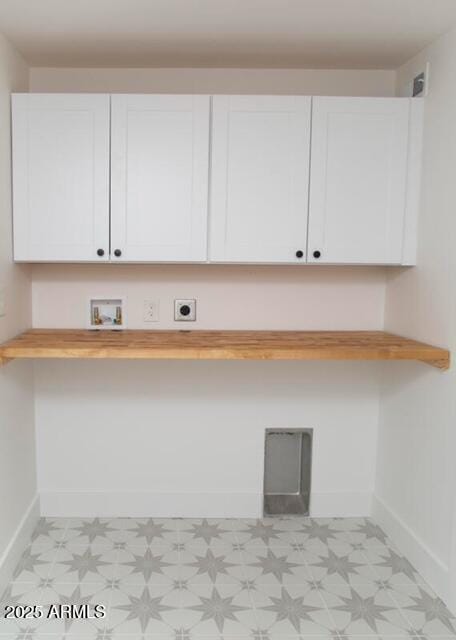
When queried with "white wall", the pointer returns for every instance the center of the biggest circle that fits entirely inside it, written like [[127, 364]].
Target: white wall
[[177, 428], [272, 81], [186, 438], [236, 297], [17, 451], [129, 415], [417, 436]]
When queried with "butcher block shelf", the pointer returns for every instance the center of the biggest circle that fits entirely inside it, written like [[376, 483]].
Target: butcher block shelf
[[221, 345]]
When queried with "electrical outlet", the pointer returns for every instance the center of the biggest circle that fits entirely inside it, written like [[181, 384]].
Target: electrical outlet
[[2, 302], [185, 310], [151, 311]]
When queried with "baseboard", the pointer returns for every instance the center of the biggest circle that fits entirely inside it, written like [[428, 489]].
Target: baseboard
[[145, 504], [18, 543], [426, 562], [188, 505], [340, 505]]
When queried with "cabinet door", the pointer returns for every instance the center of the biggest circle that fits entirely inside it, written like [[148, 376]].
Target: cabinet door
[[159, 184], [60, 177], [259, 178], [358, 180]]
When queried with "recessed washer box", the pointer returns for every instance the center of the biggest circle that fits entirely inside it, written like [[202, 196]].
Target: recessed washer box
[[107, 313]]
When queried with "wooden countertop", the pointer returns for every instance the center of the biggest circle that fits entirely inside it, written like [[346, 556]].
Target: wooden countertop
[[221, 345]]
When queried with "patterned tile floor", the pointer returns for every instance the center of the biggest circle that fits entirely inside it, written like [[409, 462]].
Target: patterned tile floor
[[184, 579]]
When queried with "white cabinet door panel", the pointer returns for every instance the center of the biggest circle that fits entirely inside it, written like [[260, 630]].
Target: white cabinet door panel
[[60, 177], [259, 178], [159, 188], [358, 180]]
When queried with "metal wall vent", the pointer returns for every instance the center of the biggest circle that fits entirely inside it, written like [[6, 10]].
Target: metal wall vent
[[287, 471]]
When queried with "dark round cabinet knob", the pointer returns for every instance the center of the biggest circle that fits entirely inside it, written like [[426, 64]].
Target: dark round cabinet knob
[[100, 252], [317, 254], [299, 254], [117, 253]]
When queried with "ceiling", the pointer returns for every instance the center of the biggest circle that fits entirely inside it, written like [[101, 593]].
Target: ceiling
[[224, 33]]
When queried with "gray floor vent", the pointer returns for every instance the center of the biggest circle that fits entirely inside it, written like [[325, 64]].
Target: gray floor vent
[[287, 471]]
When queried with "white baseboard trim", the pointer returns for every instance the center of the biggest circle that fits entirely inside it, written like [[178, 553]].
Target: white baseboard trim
[[340, 505], [18, 543], [188, 505], [143, 504], [426, 562]]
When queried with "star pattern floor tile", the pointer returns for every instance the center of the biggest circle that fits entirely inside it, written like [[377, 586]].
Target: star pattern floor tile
[[210, 579]]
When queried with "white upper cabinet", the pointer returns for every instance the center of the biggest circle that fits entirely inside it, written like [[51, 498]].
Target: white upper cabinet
[[285, 179], [259, 178], [159, 177], [61, 177], [358, 185]]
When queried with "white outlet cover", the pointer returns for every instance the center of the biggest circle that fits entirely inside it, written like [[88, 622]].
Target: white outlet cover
[[181, 302], [151, 311]]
